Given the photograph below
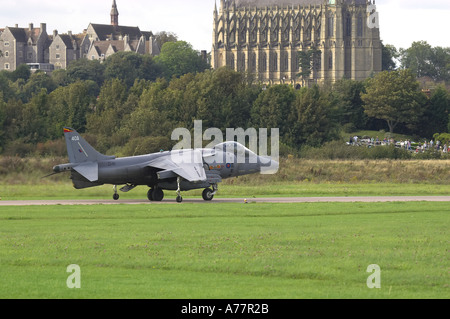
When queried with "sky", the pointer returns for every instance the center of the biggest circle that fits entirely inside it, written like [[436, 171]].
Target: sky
[[401, 21]]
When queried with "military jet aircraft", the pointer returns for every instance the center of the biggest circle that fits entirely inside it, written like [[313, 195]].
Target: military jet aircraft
[[179, 170]]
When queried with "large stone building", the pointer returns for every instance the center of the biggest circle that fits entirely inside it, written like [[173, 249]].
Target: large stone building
[[23, 45], [264, 38], [108, 39], [35, 47], [66, 48]]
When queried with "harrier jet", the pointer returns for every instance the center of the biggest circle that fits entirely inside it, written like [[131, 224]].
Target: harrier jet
[[178, 170]]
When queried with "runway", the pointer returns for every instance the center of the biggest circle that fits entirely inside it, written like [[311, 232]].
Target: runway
[[363, 199]]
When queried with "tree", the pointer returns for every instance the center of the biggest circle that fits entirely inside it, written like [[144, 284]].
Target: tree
[[308, 61], [424, 60], [394, 97], [2, 120], [436, 115], [129, 66], [163, 37], [178, 58], [69, 106], [22, 72], [274, 109], [5, 86], [347, 103], [84, 70], [34, 123], [35, 84], [388, 56], [312, 124]]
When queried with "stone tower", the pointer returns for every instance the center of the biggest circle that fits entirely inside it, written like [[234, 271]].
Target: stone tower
[[264, 38], [114, 14]]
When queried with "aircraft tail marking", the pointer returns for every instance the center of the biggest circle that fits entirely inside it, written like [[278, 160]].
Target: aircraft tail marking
[[79, 150]]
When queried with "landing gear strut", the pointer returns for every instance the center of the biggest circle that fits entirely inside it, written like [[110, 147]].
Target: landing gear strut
[[179, 198]]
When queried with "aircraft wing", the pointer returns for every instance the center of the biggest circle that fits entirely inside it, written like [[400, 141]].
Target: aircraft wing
[[185, 163]]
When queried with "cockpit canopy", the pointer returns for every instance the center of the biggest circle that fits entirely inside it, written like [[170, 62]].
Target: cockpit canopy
[[242, 153]]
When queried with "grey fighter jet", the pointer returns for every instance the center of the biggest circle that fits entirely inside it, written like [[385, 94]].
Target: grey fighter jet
[[179, 170]]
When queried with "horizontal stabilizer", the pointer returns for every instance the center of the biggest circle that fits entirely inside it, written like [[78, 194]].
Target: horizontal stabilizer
[[88, 170]]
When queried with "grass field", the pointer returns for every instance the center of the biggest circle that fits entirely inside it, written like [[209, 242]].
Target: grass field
[[269, 251], [65, 190], [292, 251]]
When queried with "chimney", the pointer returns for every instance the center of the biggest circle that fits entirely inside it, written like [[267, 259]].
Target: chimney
[[43, 27], [55, 33], [30, 26]]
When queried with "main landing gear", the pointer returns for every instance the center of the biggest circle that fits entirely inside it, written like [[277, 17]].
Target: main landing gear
[[156, 194]]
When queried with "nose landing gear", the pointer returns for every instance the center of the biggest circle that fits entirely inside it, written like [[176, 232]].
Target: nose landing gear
[[208, 193], [179, 198]]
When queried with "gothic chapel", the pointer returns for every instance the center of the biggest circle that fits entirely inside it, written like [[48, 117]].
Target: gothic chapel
[[263, 38]]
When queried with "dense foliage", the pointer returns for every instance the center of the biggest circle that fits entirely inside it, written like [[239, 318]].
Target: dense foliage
[[131, 103]]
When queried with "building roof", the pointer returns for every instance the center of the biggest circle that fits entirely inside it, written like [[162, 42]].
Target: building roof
[[264, 3], [23, 34], [109, 32], [68, 40]]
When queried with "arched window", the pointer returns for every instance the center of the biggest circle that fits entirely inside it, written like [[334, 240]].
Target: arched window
[[242, 64], [263, 62], [231, 61], [359, 31], [330, 61], [253, 62], [348, 25], [275, 62], [330, 26]]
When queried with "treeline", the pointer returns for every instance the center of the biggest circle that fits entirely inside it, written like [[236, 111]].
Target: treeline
[[130, 105]]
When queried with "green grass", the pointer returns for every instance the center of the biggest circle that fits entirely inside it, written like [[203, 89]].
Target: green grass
[[59, 190], [319, 250]]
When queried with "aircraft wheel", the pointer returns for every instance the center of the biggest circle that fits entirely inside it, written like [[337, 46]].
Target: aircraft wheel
[[157, 195], [179, 199], [116, 196], [150, 194], [207, 194]]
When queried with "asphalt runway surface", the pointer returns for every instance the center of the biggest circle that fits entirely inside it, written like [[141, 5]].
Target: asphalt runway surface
[[362, 199]]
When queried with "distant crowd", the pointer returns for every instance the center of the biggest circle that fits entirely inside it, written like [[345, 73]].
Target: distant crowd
[[431, 145], [406, 144]]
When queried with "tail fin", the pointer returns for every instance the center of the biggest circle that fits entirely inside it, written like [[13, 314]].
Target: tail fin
[[79, 150]]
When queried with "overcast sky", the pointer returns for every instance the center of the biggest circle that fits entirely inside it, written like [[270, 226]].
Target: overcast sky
[[401, 21]]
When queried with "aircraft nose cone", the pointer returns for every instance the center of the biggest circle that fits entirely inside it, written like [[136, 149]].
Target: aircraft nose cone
[[268, 165]]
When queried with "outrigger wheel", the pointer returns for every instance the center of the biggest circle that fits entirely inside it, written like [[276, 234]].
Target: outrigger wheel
[[115, 196]]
